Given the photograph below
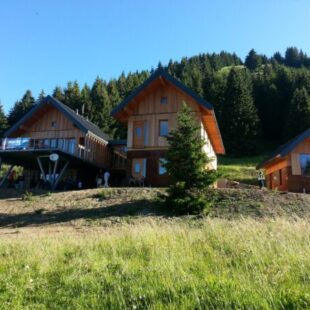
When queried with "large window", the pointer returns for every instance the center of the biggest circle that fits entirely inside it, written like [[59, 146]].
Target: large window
[[161, 168], [305, 164], [163, 128]]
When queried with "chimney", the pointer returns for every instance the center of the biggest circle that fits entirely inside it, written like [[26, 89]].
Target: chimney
[[83, 109], [77, 111]]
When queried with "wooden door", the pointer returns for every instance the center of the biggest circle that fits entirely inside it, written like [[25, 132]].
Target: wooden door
[[138, 134]]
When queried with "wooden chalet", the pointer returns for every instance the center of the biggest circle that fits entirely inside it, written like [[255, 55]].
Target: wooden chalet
[[150, 112], [51, 127], [288, 167]]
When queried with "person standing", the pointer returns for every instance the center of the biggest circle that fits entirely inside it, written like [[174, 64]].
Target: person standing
[[106, 177], [99, 179], [261, 179]]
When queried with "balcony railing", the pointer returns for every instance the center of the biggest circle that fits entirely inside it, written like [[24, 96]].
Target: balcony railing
[[65, 145]]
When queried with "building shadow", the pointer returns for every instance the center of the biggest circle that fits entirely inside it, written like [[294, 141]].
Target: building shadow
[[40, 217]]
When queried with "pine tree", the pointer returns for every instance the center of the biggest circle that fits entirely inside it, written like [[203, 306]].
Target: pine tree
[[41, 95], [21, 107], [102, 106], [59, 94], [292, 57], [186, 163], [3, 120], [252, 60], [299, 113], [186, 160], [86, 102], [72, 96], [240, 122]]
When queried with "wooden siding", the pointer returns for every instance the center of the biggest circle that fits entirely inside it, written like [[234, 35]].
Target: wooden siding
[[152, 176], [39, 126], [150, 110]]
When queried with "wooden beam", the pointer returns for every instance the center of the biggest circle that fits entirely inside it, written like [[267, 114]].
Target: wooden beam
[[54, 172], [61, 174], [41, 168]]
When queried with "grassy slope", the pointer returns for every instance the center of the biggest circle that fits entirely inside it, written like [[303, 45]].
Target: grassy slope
[[210, 264], [240, 169], [115, 249]]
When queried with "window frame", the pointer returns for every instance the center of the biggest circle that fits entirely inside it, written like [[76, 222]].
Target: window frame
[[159, 127]]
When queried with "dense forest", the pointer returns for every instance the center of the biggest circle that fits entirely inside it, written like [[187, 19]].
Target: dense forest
[[258, 101]]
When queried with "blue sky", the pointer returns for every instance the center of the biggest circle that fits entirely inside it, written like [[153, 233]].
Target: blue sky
[[45, 43]]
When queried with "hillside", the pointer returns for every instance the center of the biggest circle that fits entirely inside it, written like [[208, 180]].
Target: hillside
[[106, 207], [116, 249]]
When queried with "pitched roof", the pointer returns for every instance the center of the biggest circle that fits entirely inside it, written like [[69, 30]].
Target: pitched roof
[[161, 73], [78, 120], [213, 129], [284, 149]]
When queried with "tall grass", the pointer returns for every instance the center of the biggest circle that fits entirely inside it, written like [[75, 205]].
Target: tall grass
[[212, 263]]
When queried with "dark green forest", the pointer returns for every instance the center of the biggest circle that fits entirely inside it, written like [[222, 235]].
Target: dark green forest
[[258, 102]]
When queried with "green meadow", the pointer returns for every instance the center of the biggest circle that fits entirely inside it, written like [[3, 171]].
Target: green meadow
[[187, 264]]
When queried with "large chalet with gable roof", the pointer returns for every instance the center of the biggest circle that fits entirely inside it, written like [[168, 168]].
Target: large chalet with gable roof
[[81, 148]]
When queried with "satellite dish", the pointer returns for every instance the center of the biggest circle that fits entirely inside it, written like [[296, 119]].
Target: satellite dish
[[54, 157]]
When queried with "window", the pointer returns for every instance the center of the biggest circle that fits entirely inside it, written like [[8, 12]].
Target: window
[[54, 123], [161, 169], [163, 100], [138, 132], [137, 167], [71, 146], [305, 164], [163, 128], [53, 143], [47, 143], [60, 143]]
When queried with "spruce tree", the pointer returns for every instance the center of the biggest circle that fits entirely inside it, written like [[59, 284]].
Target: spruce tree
[[299, 113], [186, 163], [252, 60], [186, 160], [240, 122], [3, 120], [59, 94], [21, 107]]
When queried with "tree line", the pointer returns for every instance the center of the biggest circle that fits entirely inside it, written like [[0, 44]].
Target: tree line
[[257, 101]]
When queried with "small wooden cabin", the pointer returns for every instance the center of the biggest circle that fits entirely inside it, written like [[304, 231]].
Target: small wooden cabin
[[150, 112], [51, 127], [288, 167]]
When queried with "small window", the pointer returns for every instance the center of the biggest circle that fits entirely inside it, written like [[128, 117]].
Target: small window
[[305, 164], [54, 123], [163, 128], [161, 168], [138, 132], [163, 100], [137, 168]]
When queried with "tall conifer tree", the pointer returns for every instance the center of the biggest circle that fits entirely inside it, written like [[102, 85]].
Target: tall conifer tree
[[299, 113], [240, 123]]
